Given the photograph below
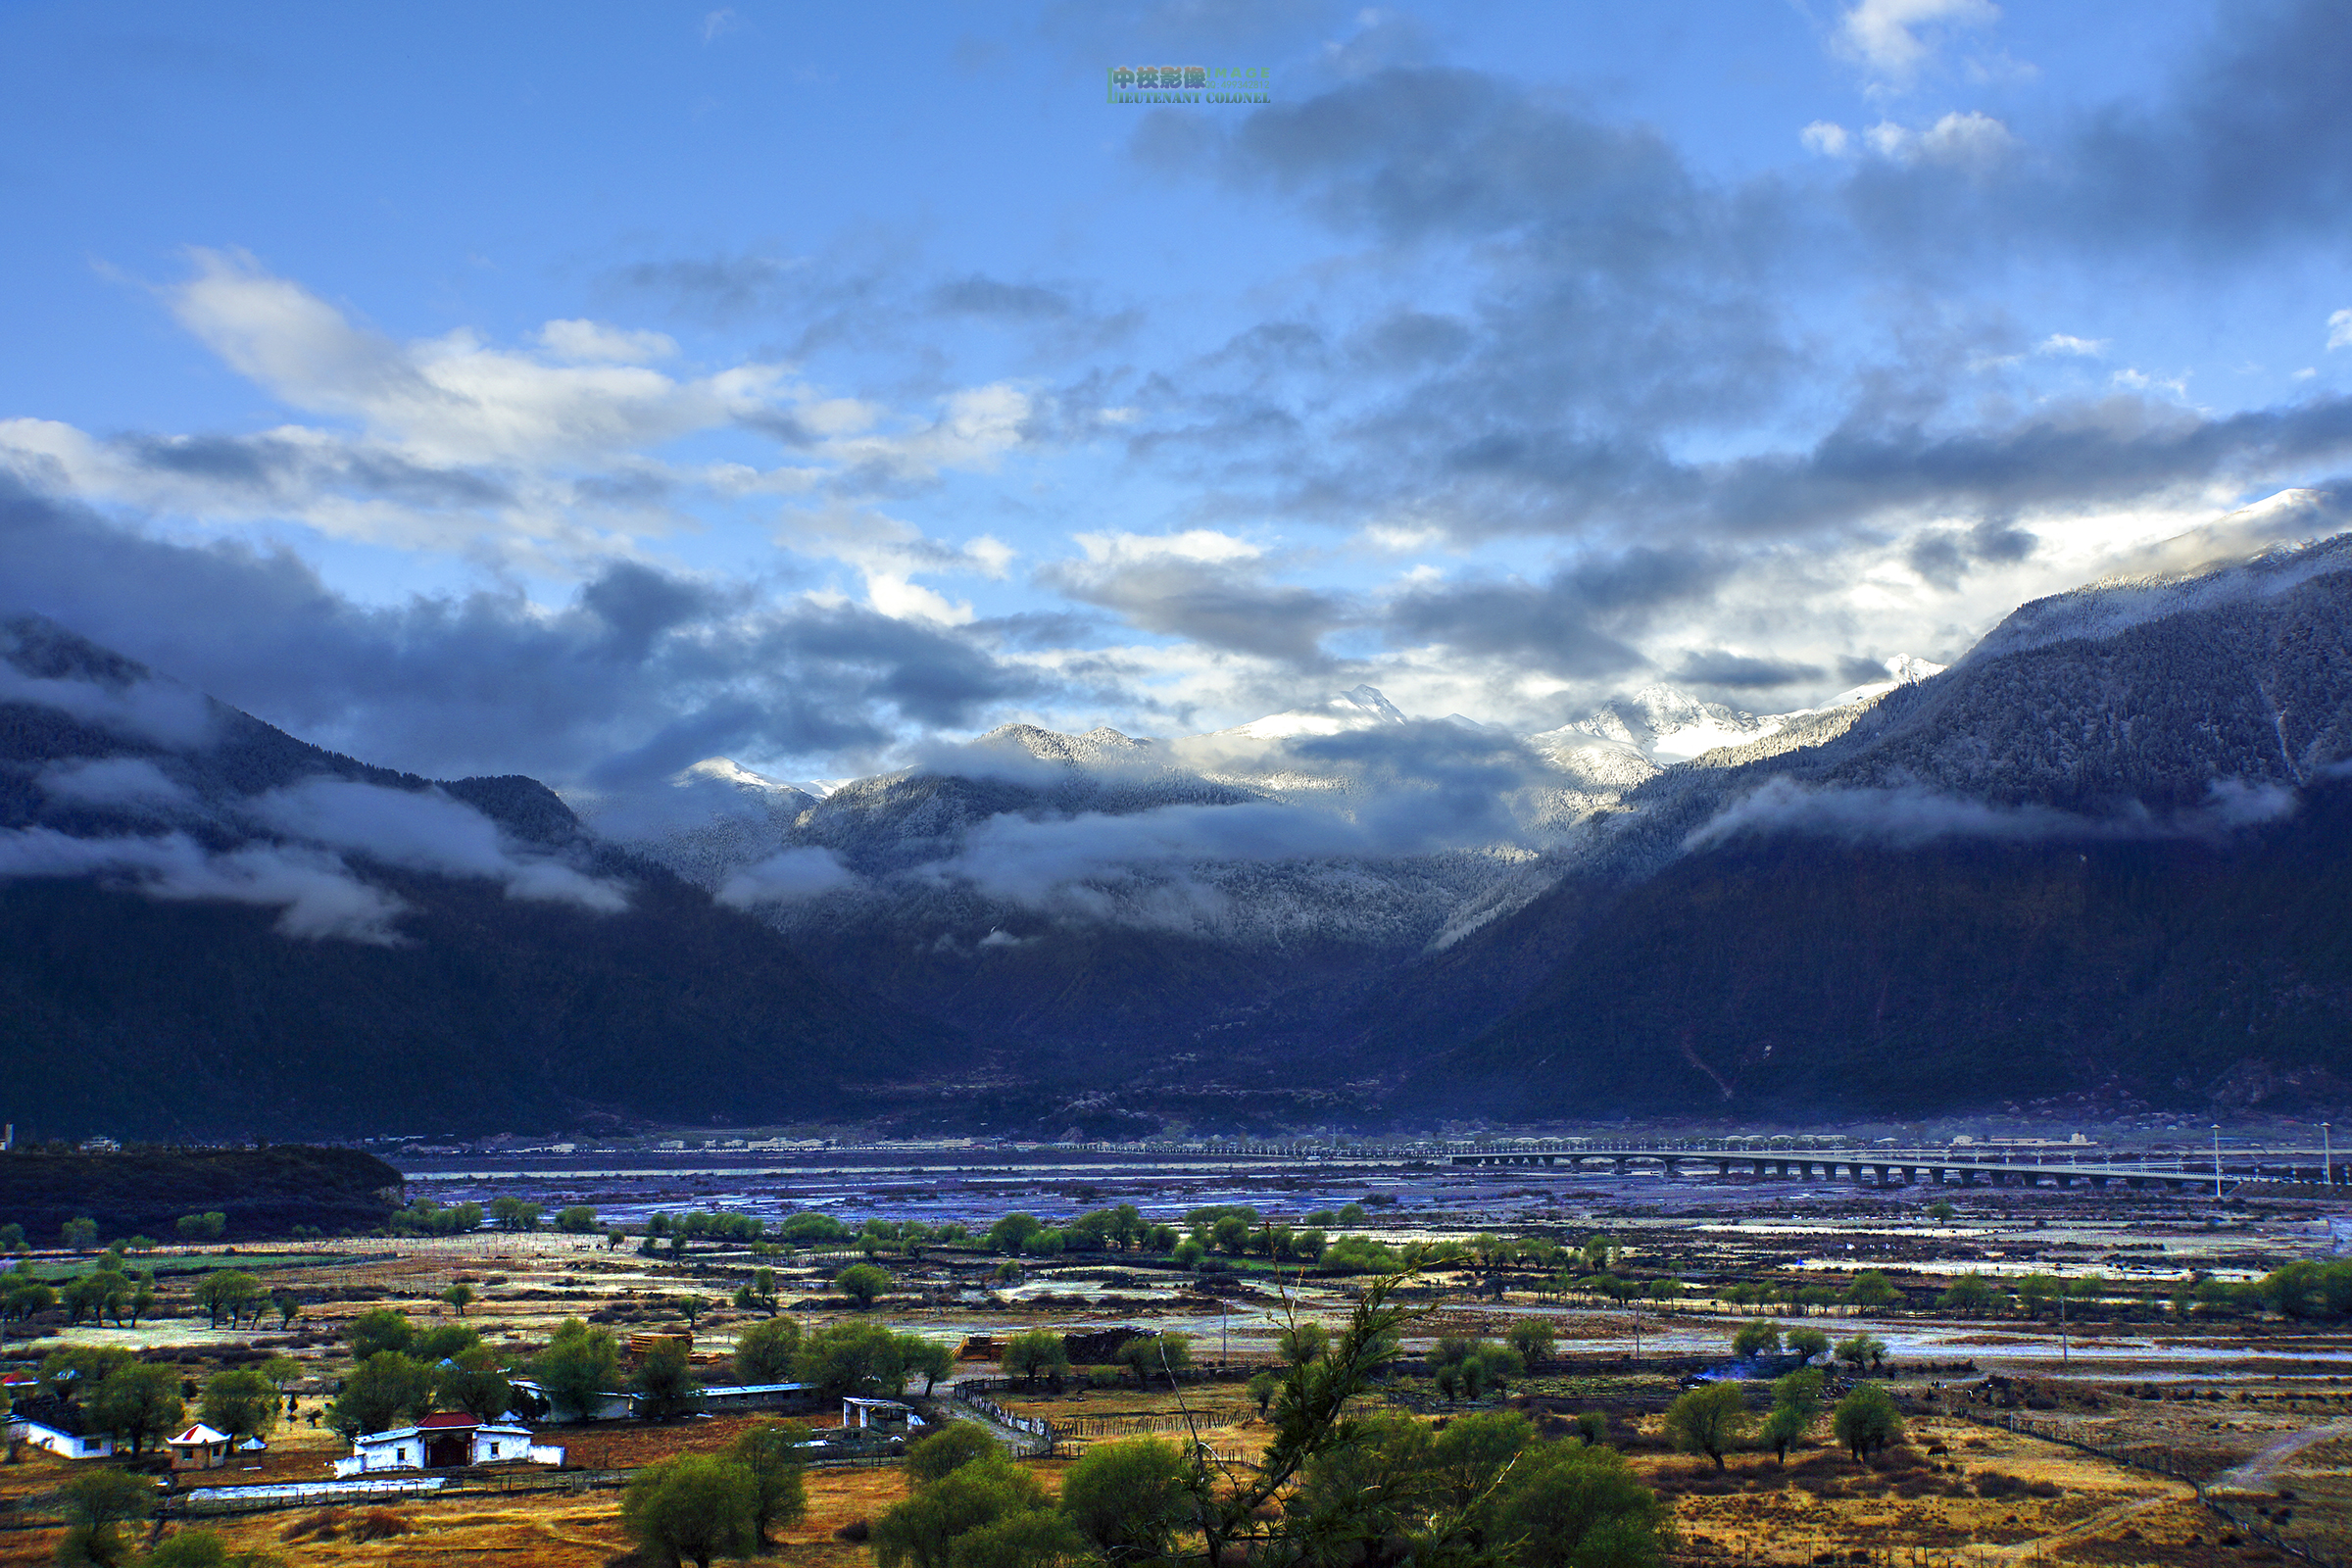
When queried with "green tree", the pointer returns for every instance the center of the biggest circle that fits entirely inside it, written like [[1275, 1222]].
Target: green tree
[[580, 1363], [1593, 1426], [1941, 1212], [1577, 1507], [1758, 1335], [1795, 1405], [852, 1357], [923, 1532], [1022, 1541], [139, 1402], [665, 1383], [1711, 1420], [764, 1351], [1129, 1498], [769, 1452], [210, 1226], [378, 1329], [1036, 1354], [862, 1283], [577, 1220], [287, 1305], [1262, 1387], [1147, 1355], [950, 1447], [381, 1391], [475, 1382], [1806, 1340], [228, 1292], [12, 1237], [1862, 1348], [460, 1297], [927, 1359], [97, 1504], [694, 1506], [1872, 1291], [1867, 1421], [445, 1341], [241, 1402], [1533, 1338], [1013, 1233], [759, 1292], [1971, 1294], [79, 1234], [2037, 1290]]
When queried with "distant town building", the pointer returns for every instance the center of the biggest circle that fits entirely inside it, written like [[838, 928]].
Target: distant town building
[[757, 1395]]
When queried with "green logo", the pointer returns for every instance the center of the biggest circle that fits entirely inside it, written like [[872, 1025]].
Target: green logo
[[1190, 84]]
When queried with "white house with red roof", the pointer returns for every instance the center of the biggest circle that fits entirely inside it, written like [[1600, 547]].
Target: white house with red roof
[[449, 1441], [199, 1447]]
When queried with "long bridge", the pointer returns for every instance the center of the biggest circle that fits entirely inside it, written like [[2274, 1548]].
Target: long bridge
[[1950, 1165]]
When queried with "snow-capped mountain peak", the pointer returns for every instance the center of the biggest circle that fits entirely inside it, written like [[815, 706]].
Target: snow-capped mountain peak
[[1357, 708]]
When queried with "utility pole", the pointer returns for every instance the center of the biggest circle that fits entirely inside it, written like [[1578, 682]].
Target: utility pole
[[2327, 1157], [2217, 1161], [2064, 1357]]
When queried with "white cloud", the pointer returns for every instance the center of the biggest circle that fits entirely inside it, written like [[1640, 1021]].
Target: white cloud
[[1826, 138], [316, 893], [1972, 142], [793, 874], [2339, 330], [1894, 38], [2084, 348], [158, 710], [1204, 546], [112, 781], [594, 340], [426, 830], [549, 456]]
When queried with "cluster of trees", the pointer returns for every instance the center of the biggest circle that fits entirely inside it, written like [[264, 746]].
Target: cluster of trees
[[701, 1506], [209, 1226], [1377, 1488], [838, 1359], [404, 1373], [1714, 1420], [98, 1504], [1464, 1368], [238, 1297], [424, 1217]]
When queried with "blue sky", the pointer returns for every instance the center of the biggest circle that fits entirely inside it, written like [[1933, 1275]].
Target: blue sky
[[585, 390]]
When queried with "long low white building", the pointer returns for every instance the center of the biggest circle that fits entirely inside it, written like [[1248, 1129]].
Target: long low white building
[[452, 1440]]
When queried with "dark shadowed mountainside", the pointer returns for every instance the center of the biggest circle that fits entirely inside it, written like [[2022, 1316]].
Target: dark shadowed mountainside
[[259, 1192], [212, 929]]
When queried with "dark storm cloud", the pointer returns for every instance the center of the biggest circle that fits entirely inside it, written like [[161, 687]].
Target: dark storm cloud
[[642, 674], [1741, 673], [1572, 623], [1222, 605], [268, 469]]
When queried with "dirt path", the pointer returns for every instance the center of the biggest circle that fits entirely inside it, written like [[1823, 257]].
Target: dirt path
[[2097, 1522], [2255, 1474]]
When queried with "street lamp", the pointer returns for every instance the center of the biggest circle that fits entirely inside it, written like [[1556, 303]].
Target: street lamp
[[2217, 1161]]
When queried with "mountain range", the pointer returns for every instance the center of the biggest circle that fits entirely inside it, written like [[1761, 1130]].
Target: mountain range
[[2096, 864]]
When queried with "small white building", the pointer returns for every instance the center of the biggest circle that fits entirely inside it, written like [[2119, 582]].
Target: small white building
[[879, 1415], [200, 1447], [450, 1441], [58, 1426]]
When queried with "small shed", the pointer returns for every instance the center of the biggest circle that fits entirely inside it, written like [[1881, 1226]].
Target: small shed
[[199, 1447], [879, 1415], [720, 1397]]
